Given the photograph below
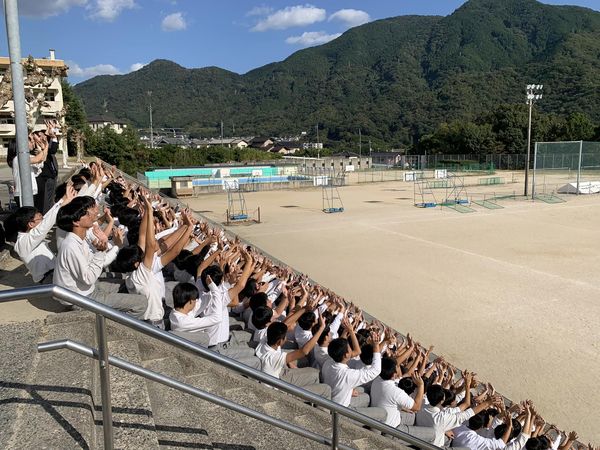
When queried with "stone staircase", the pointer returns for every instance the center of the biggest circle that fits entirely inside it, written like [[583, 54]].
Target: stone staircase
[[52, 400]]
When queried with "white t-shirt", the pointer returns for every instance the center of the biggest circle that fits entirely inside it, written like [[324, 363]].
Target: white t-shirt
[[272, 361], [387, 395], [465, 437], [343, 380], [144, 281]]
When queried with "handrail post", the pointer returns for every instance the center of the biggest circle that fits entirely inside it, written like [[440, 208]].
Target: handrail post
[[335, 430], [104, 366]]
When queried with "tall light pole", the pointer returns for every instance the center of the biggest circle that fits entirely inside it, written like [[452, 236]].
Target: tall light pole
[[534, 93], [16, 69], [151, 128]]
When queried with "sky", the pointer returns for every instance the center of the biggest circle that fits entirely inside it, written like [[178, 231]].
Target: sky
[[98, 37]]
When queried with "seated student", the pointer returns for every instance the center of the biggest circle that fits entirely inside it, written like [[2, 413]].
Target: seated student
[[274, 360], [263, 316], [386, 394], [446, 419], [341, 378], [216, 297], [466, 435], [144, 268], [31, 245], [520, 435], [302, 332], [186, 305], [78, 268]]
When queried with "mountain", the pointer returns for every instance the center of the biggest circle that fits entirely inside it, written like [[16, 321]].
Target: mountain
[[395, 79]]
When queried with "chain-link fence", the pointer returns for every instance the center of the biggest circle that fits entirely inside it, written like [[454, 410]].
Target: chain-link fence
[[566, 167]]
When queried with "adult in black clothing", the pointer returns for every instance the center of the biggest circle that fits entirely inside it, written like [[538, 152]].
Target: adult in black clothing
[[46, 180]]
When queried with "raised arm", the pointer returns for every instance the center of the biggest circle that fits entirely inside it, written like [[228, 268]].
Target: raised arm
[[184, 238], [241, 282], [306, 348]]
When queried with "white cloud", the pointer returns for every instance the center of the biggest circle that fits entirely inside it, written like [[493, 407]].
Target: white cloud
[[109, 10], [292, 16], [260, 11], [47, 8], [174, 22], [77, 71], [350, 17], [310, 38], [136, 66]]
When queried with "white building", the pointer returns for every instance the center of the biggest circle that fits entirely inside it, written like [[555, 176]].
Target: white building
[[100, 122], [53, 98]]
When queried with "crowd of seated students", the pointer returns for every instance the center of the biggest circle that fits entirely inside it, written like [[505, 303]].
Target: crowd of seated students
[[182, 275]]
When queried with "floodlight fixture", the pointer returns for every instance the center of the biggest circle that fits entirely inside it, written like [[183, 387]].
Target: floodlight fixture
[[534, 93]]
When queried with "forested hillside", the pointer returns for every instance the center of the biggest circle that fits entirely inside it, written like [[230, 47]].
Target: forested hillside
[[396, 79]]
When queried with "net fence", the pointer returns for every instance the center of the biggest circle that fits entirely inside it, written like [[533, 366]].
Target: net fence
[[557, 164]]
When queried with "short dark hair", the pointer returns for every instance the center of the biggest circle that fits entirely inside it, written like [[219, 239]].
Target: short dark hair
[[407, 385], [261, 316], [534, 444], [366, 354], [544, 441], [249, 289], [22, 217], [73, 211], [323, 335], [183, 293], [388, 368], [449, 397], [501, 429], [258, 299], [215, 273], [337, 349], [307, 320], [275, 332], [477, 421], [126, 259], [435, 394]]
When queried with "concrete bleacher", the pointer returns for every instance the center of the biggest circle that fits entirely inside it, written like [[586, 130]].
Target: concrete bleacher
[[51, 400]]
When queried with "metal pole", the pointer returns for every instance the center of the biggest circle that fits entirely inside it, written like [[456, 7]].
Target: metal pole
[[104, 367], [151, 128], [16, 69], [534, 170], [579, 166], [528, 149], [335, 438]]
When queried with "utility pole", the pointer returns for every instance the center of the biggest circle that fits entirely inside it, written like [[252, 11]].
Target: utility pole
[[221, 132], [534, 92], [359, 143], [16, 69], [318, 147], [151, 128]]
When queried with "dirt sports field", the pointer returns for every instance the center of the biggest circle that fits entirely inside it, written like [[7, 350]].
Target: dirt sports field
[[512, 293]]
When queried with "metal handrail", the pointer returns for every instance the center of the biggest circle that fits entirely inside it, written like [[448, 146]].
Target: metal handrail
[[103, 311], [90, 352]]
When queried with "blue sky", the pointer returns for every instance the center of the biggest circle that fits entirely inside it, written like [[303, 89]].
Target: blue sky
[[118, 36]]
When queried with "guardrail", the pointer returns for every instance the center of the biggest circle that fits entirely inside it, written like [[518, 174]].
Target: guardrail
[[104, 312]]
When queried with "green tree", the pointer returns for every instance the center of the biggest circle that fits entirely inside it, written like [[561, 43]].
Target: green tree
[[75, 117]]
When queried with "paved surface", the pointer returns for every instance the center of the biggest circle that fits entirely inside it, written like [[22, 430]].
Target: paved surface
[[511, 293]]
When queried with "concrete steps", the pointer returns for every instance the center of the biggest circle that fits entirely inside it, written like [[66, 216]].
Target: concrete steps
[[52, 400]]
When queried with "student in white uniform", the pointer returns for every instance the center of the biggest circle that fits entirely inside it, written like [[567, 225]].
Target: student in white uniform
[[341, 378], [145, 267], [33, 229], [78, 268], [445, 419], [466, 435], [274, 361], [386, 394]]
